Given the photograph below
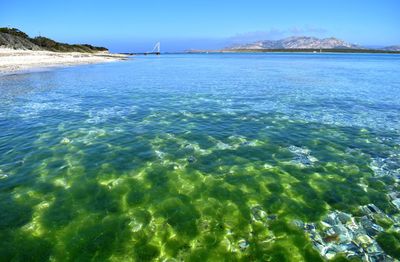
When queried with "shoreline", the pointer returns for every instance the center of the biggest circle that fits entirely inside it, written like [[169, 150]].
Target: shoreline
[[15, 61], [308, 51]]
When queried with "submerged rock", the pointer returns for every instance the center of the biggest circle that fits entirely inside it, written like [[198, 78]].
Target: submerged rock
[[389, 166], [258, 213], [396, 203], [298, 223], [341, 233], [160, 155], [223, 146], [65, 141], [243, 244], [188, 146], [302, 156], [191, 159]]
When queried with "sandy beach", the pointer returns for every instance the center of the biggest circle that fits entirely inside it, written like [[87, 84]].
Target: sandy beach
[[12, 61]]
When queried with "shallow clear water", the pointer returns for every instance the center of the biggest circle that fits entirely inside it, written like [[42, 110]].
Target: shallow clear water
[[195, 157]]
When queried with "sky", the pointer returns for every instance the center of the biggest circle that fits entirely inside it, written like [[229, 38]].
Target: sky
[[135, 26]]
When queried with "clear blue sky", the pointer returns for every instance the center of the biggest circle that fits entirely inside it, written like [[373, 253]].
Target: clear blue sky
[[137, 25]]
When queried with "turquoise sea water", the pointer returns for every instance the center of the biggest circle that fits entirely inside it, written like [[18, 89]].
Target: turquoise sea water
[[218, 157]]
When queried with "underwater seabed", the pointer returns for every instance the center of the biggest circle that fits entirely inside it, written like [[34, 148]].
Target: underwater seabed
[[100, 194]]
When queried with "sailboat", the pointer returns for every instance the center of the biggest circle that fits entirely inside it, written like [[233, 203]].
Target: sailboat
[[156, 49]]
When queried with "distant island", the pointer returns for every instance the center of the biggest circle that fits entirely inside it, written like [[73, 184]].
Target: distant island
[[303, 44], [19, 52]]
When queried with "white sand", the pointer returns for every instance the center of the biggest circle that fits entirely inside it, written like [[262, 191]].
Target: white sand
[[20, 60]]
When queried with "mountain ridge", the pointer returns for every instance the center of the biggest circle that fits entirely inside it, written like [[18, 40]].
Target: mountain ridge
[[392, 48], [298, 42]]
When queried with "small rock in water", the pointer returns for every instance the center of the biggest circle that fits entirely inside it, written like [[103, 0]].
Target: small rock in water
[[258, 213], [160, 154], [248, 143], [223, 146], [302, 156], [3, 176], [304, 160], [299, 150], [191, 159], [243, 245], [65, 141], [310, 227], [298, 223]]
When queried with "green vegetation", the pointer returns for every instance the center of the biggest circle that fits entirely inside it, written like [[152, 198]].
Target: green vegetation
[[13, 31], [167, 207], [51, 45], [390, 243]]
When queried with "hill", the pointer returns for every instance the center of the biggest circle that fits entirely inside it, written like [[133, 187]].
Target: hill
[[392, 48], [301, 42], [16, 39]]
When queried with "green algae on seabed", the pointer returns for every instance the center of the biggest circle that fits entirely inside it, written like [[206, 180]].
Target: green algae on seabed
[[166, 207], [130, 173]]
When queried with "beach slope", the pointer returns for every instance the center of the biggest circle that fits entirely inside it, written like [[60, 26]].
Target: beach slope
[[12, 60]]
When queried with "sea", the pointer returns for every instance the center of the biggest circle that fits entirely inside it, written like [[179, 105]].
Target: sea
[[203, 157]]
